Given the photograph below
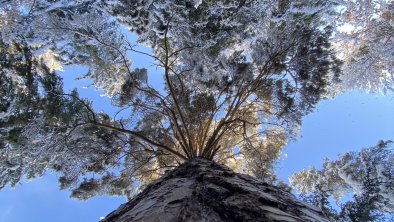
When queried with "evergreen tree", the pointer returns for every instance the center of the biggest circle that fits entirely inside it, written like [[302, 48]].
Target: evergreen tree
[[237, 74], [364, 41], [367, 174]]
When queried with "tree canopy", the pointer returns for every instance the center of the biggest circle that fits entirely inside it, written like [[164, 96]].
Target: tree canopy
[[364, 42], [238, 75], [367, 175]]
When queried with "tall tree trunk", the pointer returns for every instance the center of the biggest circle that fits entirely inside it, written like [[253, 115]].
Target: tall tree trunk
[[201, 190]]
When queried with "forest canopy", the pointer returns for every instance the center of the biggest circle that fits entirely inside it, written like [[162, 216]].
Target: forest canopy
[[238, 78]]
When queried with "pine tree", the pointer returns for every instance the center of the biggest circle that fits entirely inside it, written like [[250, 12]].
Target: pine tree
[[367, 174], [366, 28], [237, 74]]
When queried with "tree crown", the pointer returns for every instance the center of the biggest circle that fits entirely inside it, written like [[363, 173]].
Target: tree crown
[[236, 74]]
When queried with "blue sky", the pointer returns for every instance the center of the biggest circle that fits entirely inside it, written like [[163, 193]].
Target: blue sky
[[349, 122]]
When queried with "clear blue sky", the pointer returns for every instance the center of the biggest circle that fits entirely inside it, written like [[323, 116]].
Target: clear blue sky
[[348, 122]]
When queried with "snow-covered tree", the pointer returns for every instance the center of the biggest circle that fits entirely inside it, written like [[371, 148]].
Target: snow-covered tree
[[364, 41], [237, 75], [368, 175], [36, 122]]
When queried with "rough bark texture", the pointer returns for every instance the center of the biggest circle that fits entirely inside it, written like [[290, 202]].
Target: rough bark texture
[[201, 190]]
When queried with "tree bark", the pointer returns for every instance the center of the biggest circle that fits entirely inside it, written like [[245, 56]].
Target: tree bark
[[202, 190]]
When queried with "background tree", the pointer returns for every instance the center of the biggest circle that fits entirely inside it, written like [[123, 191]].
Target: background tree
[[364, 41], [367, 174], [32, 104], [237, 74]]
